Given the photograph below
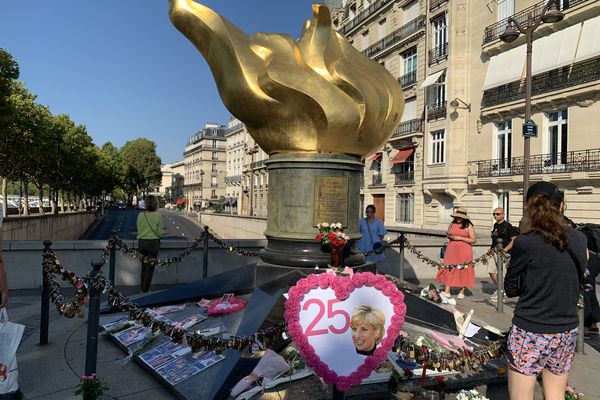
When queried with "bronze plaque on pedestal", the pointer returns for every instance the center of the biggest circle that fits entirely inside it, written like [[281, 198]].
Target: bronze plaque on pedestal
[[331, 200]]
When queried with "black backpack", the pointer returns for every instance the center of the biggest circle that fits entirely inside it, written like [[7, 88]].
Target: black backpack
[[592, 234]]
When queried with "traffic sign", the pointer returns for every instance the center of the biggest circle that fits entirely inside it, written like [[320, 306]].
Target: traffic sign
[[529, 129]]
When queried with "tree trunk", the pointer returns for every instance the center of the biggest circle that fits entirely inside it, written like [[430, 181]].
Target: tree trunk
[[41, 199], [25, 202], [4, 195]]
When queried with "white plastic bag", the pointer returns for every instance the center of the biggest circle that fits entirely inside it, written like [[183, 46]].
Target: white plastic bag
[[10, 337]]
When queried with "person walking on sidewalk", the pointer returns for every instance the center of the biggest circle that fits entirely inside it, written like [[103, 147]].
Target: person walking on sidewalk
[[372, 233], [149, 230], [502, 229], [543, 273], [461, 236]]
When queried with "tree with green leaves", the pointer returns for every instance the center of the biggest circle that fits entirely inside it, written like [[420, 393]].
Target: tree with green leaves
[[9, 73], [140, 167]]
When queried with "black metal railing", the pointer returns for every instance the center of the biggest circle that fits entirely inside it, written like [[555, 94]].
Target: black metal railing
[[567, 161], [556, 79], [403, 33], [376, 180], [233, 178], [438, 54], [408, 79], [404, 178], [492, 32], [408, 127], [436, 111], [433, 4], [363, 16], [257, 164], [234, 128], [214, 185]]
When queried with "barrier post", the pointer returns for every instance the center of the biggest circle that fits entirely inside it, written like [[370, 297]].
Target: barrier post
[[45, 303], [112, 258], [500, 270], [205, 254], [91, 347], [580, 344], [401, 273]]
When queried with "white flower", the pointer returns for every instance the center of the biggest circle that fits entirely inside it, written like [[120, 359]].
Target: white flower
[[325, 225], [419, 341], [318, 226]]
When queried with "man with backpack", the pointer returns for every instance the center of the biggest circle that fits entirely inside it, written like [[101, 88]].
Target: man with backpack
[[502, 230]]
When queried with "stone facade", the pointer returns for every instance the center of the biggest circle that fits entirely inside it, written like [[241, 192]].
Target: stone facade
[[204, 167], [466, 137]]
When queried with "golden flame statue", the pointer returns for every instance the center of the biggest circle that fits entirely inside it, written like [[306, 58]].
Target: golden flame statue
[[316, 95]]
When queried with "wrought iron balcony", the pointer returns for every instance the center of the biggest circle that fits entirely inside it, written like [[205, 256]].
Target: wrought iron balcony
[[257, 164], [399, 35], [492, 32], [550, 81], [408, 127], [436, 111], [363, 16], [409, 79], [405, 178], [233, 179], [438, 54], [433, 4], [214, 185], [567, 161]]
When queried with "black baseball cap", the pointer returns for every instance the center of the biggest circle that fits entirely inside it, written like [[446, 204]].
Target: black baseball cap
[[546, 188]]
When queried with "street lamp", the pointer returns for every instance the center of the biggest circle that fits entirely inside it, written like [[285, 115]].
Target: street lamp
[[550, 14]]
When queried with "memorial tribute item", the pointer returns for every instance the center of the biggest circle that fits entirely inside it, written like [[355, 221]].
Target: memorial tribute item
[[315, 105], [132, 335], [163, 354], [226, 305], [187, 366], [344, 326]]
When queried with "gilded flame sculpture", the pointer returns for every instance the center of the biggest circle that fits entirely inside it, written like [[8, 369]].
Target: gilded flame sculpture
[[316, 95]]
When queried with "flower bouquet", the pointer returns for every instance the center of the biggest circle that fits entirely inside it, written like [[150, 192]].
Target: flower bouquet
[[571, 394], [332, 238], [91, 387]]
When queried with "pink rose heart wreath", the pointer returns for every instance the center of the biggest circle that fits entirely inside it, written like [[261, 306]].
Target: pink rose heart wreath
[[307, 292]]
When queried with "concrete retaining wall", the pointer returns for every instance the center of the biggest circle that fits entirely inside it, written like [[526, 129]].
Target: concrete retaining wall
[[64, 226], [234, 226]]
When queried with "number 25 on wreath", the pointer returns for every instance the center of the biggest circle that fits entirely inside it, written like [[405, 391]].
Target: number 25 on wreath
[[331, 313]]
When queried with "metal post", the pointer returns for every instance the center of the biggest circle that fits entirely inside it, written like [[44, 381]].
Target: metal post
[[580, 344], [526, 139], [112, 259], [91, 348], [401, 274], [205, 254], [500, 275], [45, 308], [337, 395]]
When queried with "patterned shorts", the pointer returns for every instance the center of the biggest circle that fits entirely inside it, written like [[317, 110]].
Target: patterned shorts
[[529, 353]]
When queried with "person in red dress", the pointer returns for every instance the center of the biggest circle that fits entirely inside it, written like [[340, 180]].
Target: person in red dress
[[461, 237]]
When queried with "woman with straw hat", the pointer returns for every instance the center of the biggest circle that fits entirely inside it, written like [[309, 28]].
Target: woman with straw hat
[[461, 237]]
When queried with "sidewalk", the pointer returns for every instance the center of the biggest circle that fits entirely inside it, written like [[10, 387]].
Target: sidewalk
[[52, 372]]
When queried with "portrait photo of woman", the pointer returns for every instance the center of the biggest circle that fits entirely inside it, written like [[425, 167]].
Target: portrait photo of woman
[[367, 328]]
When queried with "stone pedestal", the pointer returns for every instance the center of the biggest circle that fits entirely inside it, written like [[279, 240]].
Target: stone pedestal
[[306, 189]]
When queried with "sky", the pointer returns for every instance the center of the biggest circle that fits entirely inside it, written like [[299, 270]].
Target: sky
[[120, 67]]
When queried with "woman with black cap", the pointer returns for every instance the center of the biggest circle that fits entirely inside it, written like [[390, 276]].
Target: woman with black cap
[[543, 273]]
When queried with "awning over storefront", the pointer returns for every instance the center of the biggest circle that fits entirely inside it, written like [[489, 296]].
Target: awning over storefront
[[555, 50], [374, 157], [505, 68], [432, 79], [589, 42], [402, 155]]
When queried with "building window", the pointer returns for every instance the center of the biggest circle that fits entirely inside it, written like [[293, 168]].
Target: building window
[[365, 40], [439, 34], [409, 75], [437, 95], [376, 170], [405, 205], [506, 8], [214, 144], [213, 167], [504, 144], [437, 147], [557, 137], [214, 155], [213, 194], [382, 28], [504, 202]]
